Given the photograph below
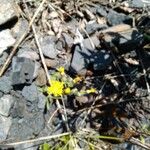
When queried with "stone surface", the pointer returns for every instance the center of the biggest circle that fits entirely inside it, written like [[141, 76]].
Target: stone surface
[[5, 84], [48, 46], [30, 93], [22, 70], [5, 124], [139, 3], [68, 39], [20, 27], [7, 11], [6, 103], [51, 63], [101, 11], [29, 54], [41, 77], [6, 40], [93, 27], [80, 60], [87, 43], [115, 18], [101, 60], [27, 127]]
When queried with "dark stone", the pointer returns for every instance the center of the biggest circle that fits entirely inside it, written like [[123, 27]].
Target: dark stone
[[128, 40], [23, 70], [101, 60], [27, 127], [93, 27], [5, 84], [80, 60], [115, 18]]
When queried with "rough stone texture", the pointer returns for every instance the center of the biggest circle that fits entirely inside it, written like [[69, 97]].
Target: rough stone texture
[[115, 18], [80, 60], [139, 3], [48, 46], [20, 27], [29, 54], [26, 127], [5, 124], [128, 40], [41, 77], [101, 11], [5, 84], [93, 27], [6, 103], [30, 93], [68, 39], [6, 40], [101, 60], [87, 43], [7, 11], [22, 70]]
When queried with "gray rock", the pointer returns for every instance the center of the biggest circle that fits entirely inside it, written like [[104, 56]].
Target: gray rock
[[87, 43], [101, 60], [20, 27], [128, 40], [29, 54], [139, 3], [5, 84], [48, 46], [7, 11], [68, 39], [22, 70], [3, 58], [41, 102], [93, 27], [27, 127], [101, 11], [115, 18], [30, 93], [80, 60], [6, 103], [5, 124], [6, 40], [36, 69]]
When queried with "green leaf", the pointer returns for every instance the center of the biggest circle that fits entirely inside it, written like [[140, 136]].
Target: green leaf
[[45, 146]]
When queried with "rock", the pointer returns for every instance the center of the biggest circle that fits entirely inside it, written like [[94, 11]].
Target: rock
[[6, 103], [3, 58], [30, 93], [29, 54], [80, 60], [20, 27], [101, 60], [115, 18], [36, 69], [87, 43], [41, 78], [22, 70], [29, 126], [128, 40], [68, 39], [48, 46], [41, 102], [92, 27], [51, 63], [5, 84], [139, 3], [6, 40], [5, 124], [7, 11], [101, 12]]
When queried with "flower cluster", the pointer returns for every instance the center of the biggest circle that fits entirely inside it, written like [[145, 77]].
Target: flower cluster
[[62, 84]]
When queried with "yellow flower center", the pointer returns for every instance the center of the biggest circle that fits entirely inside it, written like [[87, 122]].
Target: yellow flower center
[[56, 88], [92, 90]]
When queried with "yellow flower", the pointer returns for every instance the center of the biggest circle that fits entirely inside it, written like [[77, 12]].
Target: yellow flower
[[77, 79], [61, 70], [56, 88], [92, 90], [67, 91]]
